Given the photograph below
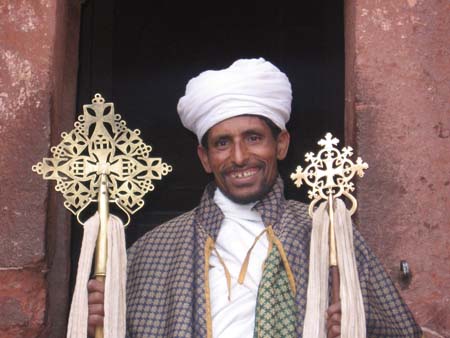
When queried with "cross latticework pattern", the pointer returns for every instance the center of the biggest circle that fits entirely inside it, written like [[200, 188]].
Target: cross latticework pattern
[[99, 144], [329, 172]]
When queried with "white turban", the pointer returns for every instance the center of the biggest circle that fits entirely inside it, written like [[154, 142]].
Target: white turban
[[248, 86]]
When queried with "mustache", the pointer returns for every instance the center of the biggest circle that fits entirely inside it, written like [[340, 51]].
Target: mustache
[[240, 167]]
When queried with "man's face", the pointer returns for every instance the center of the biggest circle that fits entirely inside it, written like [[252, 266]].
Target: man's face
[[242, 155]]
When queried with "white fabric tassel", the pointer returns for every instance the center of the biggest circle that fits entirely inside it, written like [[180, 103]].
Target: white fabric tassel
[[115, 284], [353, 320], [78, 316], [353, 323], [317, 295], [114, 321]]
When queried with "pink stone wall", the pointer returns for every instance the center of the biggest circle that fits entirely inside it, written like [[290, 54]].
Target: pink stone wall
[[398, 119], [37, 92]]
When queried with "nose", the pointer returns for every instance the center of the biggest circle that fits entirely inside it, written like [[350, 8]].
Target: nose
[[240, 154]]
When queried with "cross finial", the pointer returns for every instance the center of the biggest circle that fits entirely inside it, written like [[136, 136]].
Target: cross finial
[[329, 172]]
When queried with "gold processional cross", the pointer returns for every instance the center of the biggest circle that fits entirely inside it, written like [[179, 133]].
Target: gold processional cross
[[328, 175], [102, 161]]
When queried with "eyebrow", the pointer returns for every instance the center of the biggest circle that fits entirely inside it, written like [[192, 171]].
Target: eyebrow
[[245, 132], [253, 131]]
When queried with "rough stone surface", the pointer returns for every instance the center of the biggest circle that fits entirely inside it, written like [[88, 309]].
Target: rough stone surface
[[398, 118], [25, 55], [22, 303], [65, 67], [38, 62]]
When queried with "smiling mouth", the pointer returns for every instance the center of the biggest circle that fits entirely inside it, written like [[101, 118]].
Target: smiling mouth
[[244, 173]]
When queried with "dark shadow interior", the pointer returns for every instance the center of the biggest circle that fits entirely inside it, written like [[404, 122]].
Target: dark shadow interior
[[140, 55]]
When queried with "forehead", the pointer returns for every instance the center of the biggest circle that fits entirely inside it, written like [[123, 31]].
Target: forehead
[[238, 125]]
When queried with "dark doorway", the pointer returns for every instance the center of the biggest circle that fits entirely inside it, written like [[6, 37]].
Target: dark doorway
[[140, 55]]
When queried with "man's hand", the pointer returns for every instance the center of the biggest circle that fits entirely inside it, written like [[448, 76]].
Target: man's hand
[[96, 298], [334, 320]]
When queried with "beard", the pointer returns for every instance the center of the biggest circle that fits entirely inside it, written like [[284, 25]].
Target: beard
[[264, 188]]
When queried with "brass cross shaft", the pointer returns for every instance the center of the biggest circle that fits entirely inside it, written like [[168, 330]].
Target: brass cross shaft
[[332, 237]]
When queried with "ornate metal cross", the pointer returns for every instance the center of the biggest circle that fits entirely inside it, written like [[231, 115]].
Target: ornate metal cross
[[102, 161], [329, 175], [329, 172], [101, 144]]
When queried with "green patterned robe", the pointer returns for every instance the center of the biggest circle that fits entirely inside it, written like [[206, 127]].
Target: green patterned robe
[[167, 268]]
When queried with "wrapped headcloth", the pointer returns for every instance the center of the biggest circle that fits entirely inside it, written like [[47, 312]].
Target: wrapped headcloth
[[248, 86]]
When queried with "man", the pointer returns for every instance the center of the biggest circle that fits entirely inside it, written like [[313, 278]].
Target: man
[[237, 265]]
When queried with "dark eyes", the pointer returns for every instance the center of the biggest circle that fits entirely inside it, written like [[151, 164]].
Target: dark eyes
[[254, 138], [223, 143]]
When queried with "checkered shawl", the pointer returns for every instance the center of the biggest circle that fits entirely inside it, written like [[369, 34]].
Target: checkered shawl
[[166, 291]]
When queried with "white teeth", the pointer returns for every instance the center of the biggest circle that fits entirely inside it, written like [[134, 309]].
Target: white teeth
[[243, 174]]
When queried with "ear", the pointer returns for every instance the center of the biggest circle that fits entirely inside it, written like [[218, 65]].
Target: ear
[[204, 159], [283, 144]]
